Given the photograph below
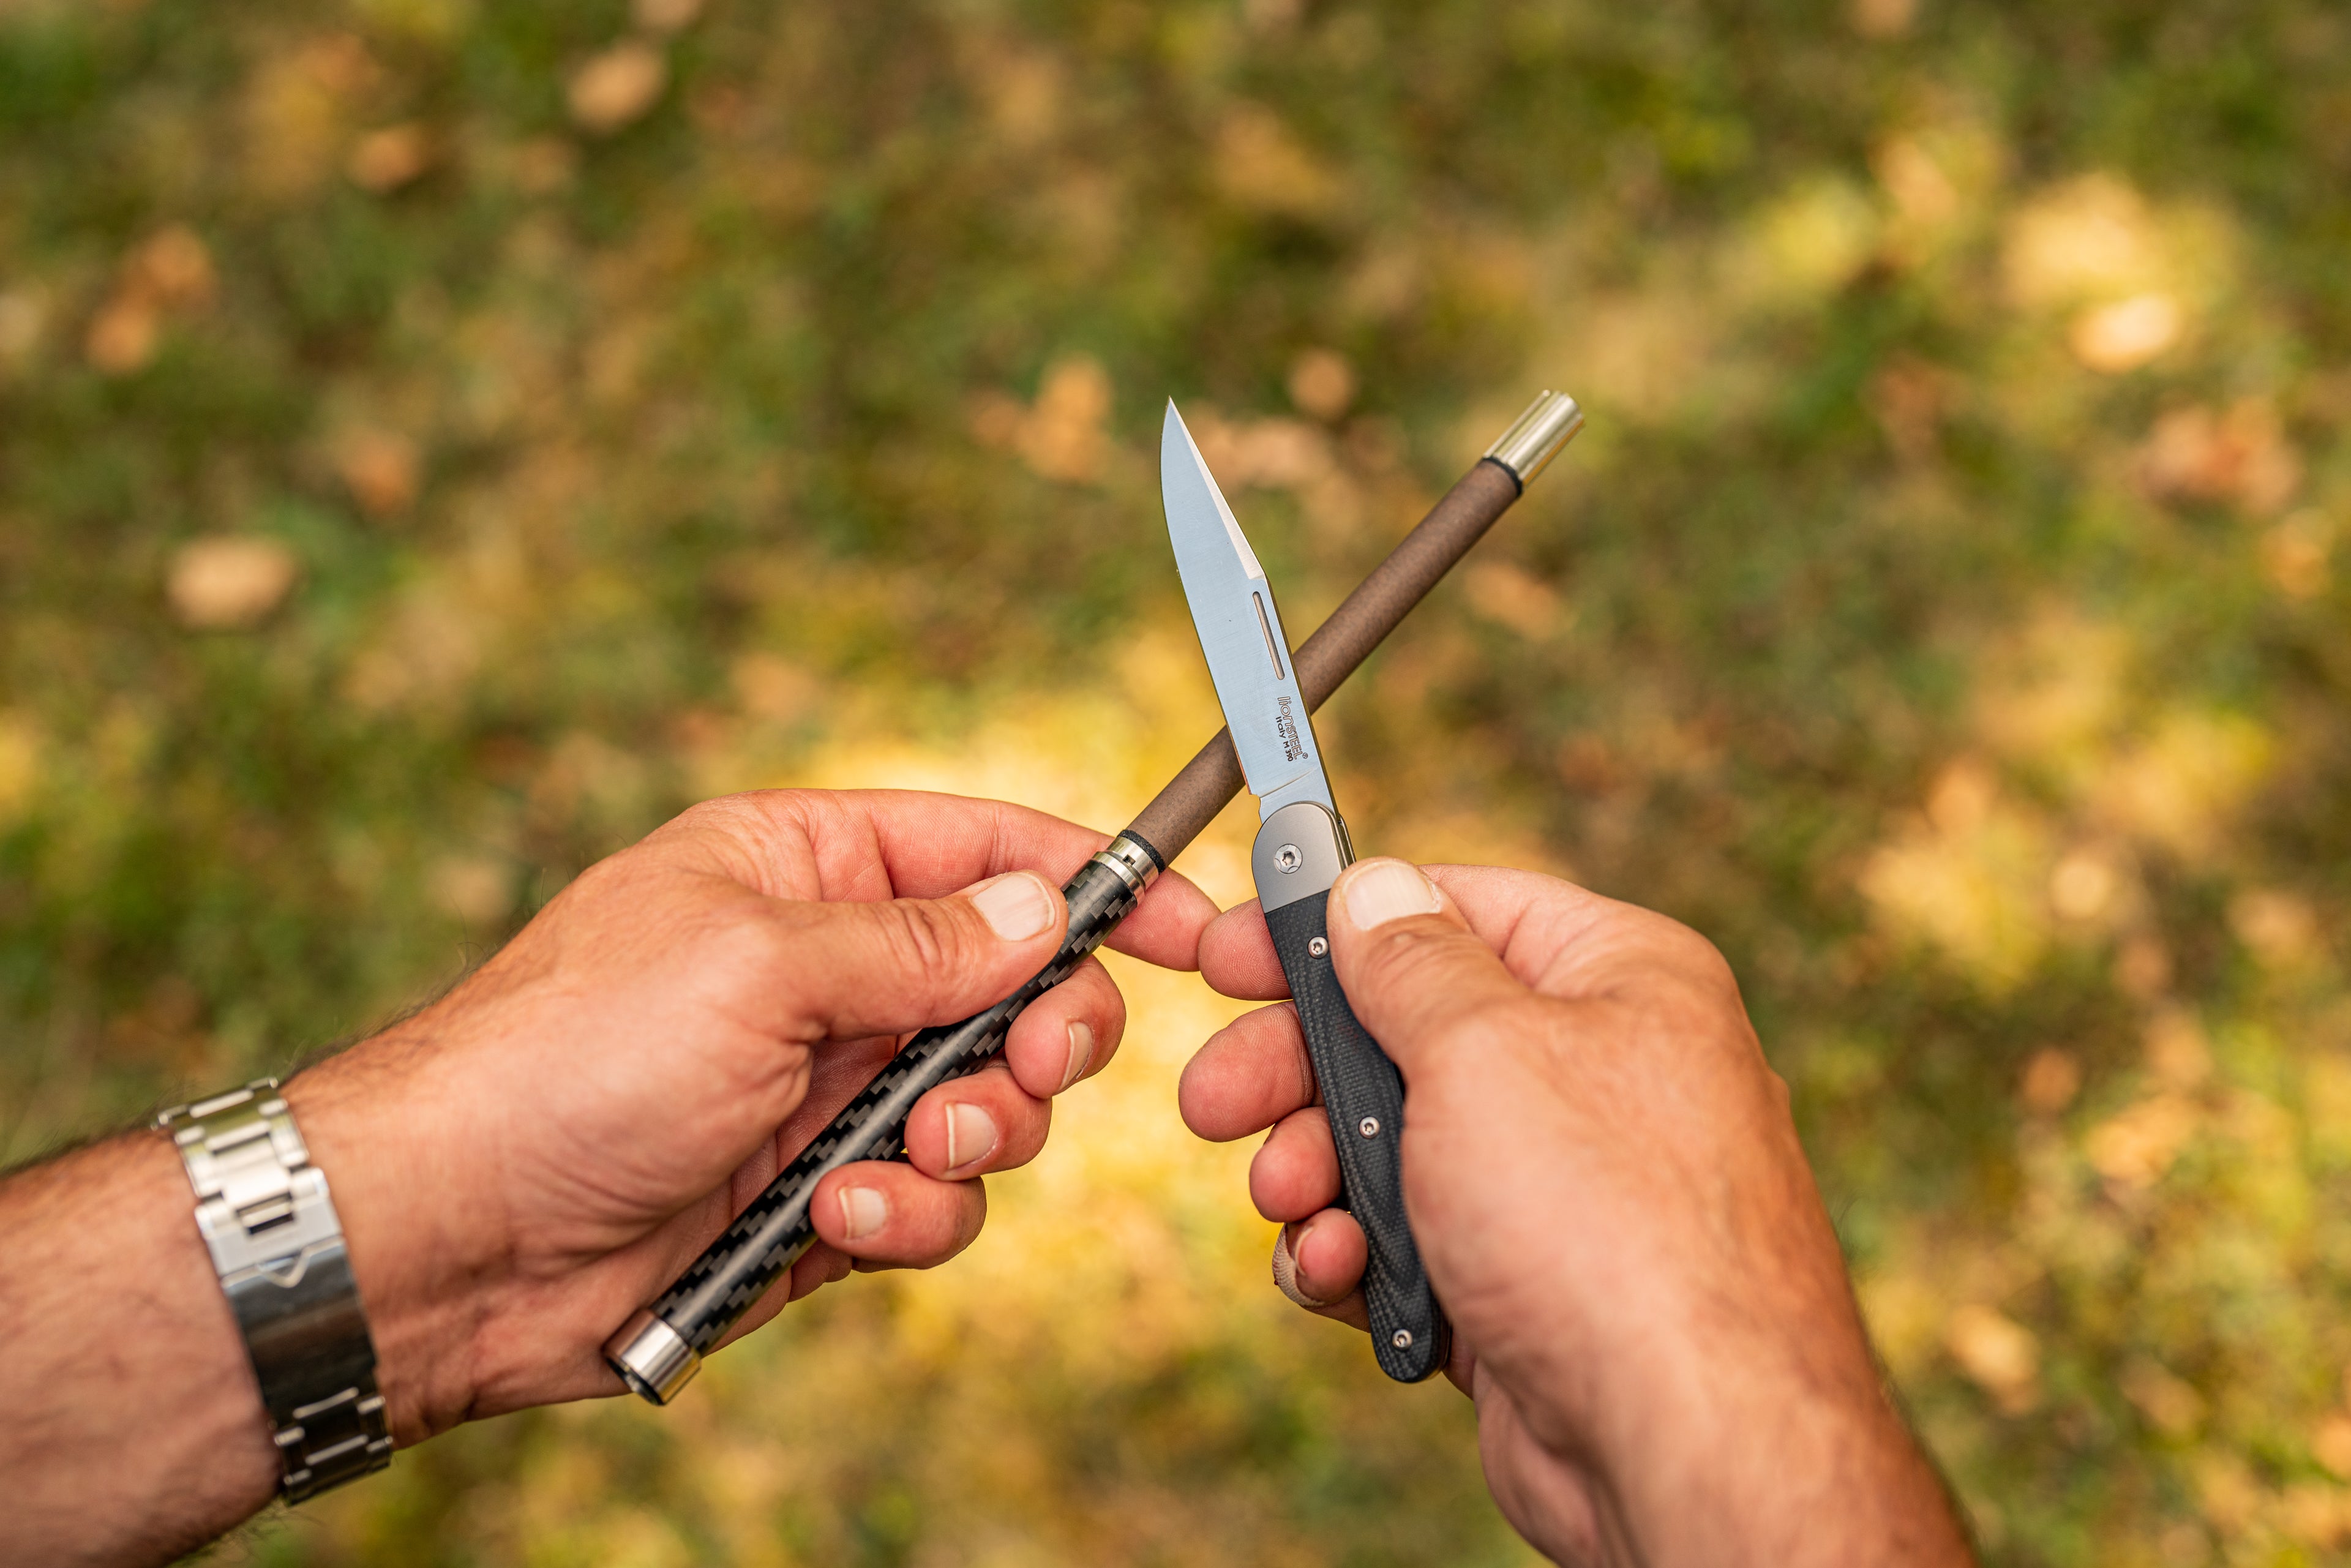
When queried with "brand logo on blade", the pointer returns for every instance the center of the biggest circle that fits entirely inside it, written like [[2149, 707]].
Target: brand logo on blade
[[1292, 748]]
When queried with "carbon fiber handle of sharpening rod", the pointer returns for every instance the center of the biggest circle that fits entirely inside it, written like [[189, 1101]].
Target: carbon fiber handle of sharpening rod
[[658, 1350]]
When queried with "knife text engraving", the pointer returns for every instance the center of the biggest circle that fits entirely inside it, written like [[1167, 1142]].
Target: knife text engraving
[[1292, 748]]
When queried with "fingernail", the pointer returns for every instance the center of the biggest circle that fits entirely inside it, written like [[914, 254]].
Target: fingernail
[[1081, 1051], [864, 1210], [1379, 890], [1285, 1266], [971, 1135], [1016, 905]]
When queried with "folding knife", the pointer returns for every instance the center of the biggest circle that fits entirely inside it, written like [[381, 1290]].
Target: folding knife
[[1301, 847]]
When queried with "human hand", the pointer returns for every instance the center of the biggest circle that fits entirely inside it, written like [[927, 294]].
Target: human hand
[[523, 1163], [1650, 1308]]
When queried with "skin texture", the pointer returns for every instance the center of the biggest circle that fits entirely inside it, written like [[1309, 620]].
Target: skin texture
[[1651, 1310], [525, 1162]]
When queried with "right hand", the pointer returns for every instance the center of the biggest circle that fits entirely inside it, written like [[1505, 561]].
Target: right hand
[[1651, 1311]]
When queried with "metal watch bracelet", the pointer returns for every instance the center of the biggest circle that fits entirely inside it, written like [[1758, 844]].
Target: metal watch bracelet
[[279, 1248]]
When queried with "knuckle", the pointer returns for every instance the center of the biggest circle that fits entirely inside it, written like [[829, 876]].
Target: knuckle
[[926, 932]]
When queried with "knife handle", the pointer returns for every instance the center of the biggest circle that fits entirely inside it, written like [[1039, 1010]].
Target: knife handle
[[1302, 846], [660, 1347]]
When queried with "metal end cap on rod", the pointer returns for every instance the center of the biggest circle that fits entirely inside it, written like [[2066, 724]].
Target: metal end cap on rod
[[1548, 424], [651, 1358]]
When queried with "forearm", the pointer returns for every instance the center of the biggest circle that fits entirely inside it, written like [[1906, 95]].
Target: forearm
[[1763, 1433], [133, 1430], [1794, 1474]]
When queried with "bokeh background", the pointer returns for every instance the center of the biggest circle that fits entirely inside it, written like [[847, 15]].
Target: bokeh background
[[438, 440]]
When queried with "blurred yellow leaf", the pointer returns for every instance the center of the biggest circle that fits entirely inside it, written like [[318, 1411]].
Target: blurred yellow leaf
[[1063, 436], [1998, 1352], [228, 581], [1882, 18], [1809, 242], [1967, 878], [2294, 553], [477, 889], [616, 89], [297, 106], [1322, 384], [2331, 1444], [2134, 1149], [2193, 454], [20, 763], [1260, 164], [2170, 1405], [2180, 784], [383, 161], [2052, 1079], [2281, 928], [123, 335], [1510, 597], [664, 15], [2089, 236], [2125, 335], [379, 467]]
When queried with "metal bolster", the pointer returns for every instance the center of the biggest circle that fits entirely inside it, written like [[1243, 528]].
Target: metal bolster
[[1136, 866], [1549, 424], [652, 1357]]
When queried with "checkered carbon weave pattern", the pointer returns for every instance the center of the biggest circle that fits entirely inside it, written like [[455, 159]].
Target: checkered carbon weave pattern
[[771, 1235], [1358, 1082]]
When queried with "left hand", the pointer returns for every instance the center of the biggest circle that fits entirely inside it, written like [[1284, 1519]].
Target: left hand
[[526, 1162]]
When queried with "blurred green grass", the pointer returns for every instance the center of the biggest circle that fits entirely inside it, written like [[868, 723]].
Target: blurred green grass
[[439, 439]]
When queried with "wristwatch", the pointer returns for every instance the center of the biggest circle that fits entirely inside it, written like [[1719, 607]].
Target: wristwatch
[[279, 1248]]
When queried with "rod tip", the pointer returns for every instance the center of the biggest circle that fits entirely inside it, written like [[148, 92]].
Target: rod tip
[[1549, 424]]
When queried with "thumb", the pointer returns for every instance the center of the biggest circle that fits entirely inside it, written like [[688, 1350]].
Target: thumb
[[881, 967], [1412, 968]]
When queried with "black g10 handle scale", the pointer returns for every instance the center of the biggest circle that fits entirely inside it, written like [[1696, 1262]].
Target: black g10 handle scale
[[657, 1352], [1299, 852]]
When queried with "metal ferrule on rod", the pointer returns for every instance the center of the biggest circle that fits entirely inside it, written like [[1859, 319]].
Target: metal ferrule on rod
[[1539, 435], [652, 1357]]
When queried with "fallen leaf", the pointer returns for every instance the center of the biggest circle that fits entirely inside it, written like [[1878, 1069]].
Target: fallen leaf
[[2135, 1148], [383, 161], [123, 335], [2295, 554], [379, 469], [1882, 18], [2052, 1079], [1322, 384], [2113, 339], [228, 581], [2000, 1354], [616, 88], [664, 15]]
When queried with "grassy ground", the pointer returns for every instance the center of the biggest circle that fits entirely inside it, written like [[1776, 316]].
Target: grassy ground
[[438, 440]]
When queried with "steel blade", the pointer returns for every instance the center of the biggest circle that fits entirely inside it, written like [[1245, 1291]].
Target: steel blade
[[1239, 630]]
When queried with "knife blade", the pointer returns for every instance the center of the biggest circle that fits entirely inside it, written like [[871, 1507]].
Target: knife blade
[[1301, 847]]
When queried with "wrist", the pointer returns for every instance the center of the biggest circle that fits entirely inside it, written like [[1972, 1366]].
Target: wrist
[[420, 1282]]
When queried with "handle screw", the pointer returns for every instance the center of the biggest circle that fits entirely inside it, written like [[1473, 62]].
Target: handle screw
[[1401, 1339], [1288, 857], [1318, 946], [1369, 1126]]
